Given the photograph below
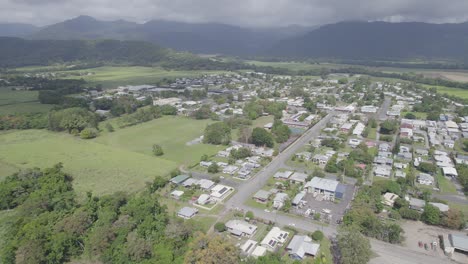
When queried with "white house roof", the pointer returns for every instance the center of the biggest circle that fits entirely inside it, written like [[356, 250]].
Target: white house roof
[[187, 212], [442, 207], [203, 198], [450, 171], [302, 245], [248, 246], [283, 174], [275, 236], [239, 227], [323, 184], [259, 251]]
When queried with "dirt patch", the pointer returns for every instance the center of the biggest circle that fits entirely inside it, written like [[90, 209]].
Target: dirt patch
[[416, 232]]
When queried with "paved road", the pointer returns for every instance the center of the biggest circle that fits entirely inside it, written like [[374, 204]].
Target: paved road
[[452, 198], [246, 190], [382, 113], [388, 253]]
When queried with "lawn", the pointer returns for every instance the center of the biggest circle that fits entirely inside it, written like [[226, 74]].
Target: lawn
[[20, 102], [95, 167], [172, 133], [296, 66], [111, 77], [462, 93], [445, 185], [419, 115]]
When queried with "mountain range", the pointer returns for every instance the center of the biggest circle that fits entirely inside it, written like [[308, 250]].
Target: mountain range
[[341, 41]]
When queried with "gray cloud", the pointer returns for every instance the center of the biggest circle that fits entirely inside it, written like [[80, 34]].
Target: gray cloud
[[239, 12]]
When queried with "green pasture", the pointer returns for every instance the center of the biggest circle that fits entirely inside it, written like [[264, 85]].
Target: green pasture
[[95, 167]]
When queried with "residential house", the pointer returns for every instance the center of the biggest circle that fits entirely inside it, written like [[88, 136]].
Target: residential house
[[298, 198], [231, 169], [262, 196], [282, 175], [389, 199], [187, 212], [203, 199], [450, 172], [298, 177], [275, 238], [279, 200], [426, 179], [382, 171], [179, 179], [301, 246], [219, 192], [176, 194], [241, 228], [417, 204]]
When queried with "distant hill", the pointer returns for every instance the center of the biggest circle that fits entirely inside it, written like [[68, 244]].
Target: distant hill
[[17, 30], [345, 41], [208, 38], [17, 52], [379, 41], [20, 52]]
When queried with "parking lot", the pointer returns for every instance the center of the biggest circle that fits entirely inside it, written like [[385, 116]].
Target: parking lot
[[326, 208]]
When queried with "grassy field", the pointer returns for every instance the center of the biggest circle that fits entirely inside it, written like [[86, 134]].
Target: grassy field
[[111, 77], [172, 133], [450, 91], [445, 185], [95, 167], [419, 115], [20, 102], [296, 66]]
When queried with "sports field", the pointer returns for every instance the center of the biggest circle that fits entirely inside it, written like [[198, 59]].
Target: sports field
[[111, 77], [20, 102]]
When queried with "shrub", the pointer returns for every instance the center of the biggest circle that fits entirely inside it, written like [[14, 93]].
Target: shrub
[[213, 168], [88, 133], [317, 235], [220, 227]]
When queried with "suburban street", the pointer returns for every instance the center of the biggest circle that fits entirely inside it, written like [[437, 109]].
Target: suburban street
[[247, 189], [387, 253]]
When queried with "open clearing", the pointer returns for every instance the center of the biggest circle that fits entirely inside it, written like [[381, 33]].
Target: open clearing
[[95, 167], [111, 77], [20, 102], [171, 132]]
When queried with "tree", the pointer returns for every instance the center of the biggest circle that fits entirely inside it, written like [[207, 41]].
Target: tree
[[407, 213], [250, 215], [281, 131], [213, 168], [261, 137], [354, 247], [211, 250], [109, 127], [410, 116], [88, 133], [453, 218], [431, 215], [217, 133], [317, 235], [158, 150], [388, 127], [220, 227]]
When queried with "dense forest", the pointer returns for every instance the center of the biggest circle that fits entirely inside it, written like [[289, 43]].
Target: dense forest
[[50, 226]]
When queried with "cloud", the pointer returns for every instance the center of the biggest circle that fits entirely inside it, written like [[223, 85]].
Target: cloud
[[239, 12]]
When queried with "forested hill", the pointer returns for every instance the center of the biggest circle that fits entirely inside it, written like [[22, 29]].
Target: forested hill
[[20, 52], [16, 52], [379, 41]]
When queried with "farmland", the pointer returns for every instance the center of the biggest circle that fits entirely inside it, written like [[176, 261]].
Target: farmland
[[111, 77], [20, 102], [95, 167]]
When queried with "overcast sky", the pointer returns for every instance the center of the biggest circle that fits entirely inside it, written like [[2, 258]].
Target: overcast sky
[[257, 13]]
